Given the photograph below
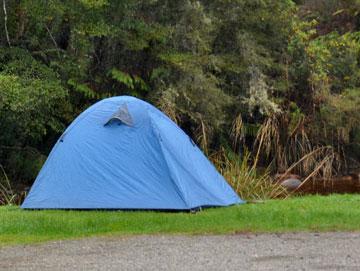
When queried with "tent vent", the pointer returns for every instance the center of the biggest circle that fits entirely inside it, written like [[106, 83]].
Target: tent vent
[[122, 115]]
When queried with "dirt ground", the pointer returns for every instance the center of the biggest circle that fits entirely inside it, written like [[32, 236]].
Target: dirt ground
[[293, 251]]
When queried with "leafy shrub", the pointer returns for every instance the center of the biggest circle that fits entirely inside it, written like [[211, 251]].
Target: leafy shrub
[[33, 107]]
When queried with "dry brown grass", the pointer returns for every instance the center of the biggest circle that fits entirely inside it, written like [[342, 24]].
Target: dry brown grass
[[7, 195], [293, 151], [202, 136], [237, 132]]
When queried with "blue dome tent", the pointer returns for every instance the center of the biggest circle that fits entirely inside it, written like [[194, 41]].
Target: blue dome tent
[[123, 153]]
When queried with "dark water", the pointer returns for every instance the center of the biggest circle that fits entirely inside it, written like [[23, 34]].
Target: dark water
[[341, 185]]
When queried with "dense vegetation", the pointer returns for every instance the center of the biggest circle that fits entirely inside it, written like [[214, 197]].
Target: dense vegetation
[[272, 80]]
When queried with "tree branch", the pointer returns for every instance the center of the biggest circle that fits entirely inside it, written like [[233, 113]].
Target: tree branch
[[5, 23], [53, 40]]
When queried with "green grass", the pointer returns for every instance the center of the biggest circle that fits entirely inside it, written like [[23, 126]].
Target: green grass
[[311, 213]]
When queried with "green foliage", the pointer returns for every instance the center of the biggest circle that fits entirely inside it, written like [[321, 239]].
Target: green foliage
[[82, 88], [30, 96], [134, 83], [334, 61], [342, 115], [32, 107], [325, 72], [204, 63]]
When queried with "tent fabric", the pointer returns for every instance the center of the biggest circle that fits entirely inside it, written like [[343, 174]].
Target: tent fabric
[[150, 164]]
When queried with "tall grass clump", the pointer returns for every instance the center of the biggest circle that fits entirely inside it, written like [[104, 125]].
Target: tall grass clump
[[288, 149], [247, 181], [7, 194], [282, 147]]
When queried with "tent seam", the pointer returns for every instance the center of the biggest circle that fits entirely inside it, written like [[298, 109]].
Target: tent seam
[[178, 189]]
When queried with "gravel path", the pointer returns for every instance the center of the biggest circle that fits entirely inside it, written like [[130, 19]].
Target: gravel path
[[300, 251]]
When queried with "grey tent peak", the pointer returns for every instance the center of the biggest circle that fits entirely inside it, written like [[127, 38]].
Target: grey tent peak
[[122, 114]]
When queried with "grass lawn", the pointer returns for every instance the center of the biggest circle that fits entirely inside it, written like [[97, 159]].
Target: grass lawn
[[310, 213]]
